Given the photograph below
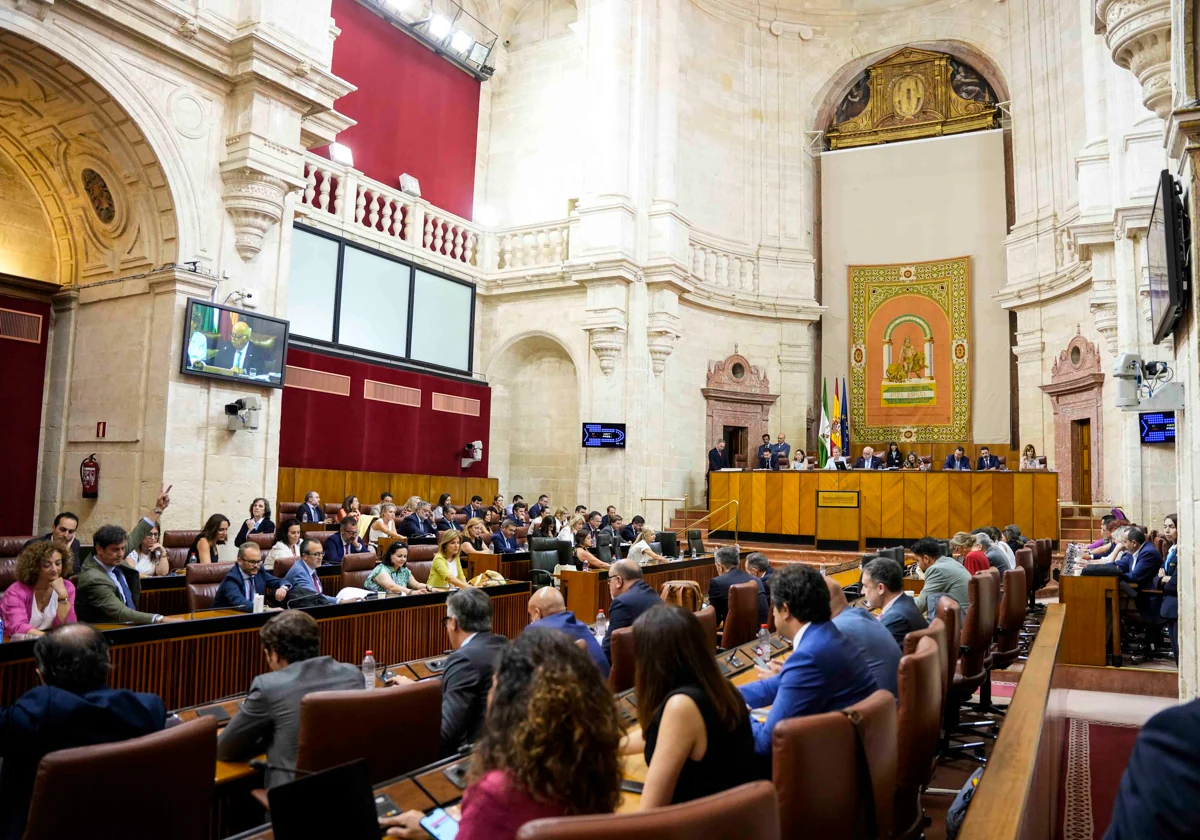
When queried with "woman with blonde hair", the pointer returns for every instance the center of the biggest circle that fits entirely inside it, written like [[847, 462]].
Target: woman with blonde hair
[[964, 548], [384, 525], [446, 570], [574, 525], [641, 552], [475, 538]]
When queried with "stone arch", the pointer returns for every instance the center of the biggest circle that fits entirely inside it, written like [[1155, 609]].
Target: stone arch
[[113, 183], [540, 20], [535, 417]]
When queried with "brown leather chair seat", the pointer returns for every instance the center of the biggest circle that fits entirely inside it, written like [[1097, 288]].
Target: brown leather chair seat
[[620, 677], [282, 566], [826, 748], [918, 723], [461, 519], [975, 638], [203, 581], [288, 510], [356, 568], [62, 807], [420, 559], [10, 550], [177, 544], [264, 541], [1003, 461], [331, 508], [743, 813], [741, 622], [708, 620]]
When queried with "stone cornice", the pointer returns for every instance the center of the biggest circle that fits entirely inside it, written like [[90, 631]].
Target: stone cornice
[[752, 306], [1076, 276]]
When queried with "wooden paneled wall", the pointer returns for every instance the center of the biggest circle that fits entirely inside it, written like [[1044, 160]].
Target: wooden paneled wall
[[940, 451], [892, 505], [336, 485]]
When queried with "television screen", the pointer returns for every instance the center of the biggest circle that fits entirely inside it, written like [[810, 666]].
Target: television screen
[[1158, 426], [1167, 258], [603, 435], [226, 343]]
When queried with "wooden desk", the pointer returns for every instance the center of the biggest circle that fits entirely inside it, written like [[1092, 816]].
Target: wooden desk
[[892, 505], [1092, 612], [167, 595]]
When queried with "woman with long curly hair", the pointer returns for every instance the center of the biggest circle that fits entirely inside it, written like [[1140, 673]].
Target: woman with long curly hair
[[549, 747]]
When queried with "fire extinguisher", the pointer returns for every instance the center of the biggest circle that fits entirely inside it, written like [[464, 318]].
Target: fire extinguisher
[[89, 476]]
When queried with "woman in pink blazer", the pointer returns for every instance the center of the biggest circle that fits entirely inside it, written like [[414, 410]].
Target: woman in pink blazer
[[41, 597]]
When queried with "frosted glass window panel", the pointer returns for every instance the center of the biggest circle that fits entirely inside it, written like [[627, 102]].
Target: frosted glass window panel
[[441, 322], [374, 313], [312, 285]]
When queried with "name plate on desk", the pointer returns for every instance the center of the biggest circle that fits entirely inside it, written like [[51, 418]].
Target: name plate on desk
[[837, 498]]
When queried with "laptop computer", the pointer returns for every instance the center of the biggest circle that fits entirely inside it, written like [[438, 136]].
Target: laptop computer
[[337, 802]]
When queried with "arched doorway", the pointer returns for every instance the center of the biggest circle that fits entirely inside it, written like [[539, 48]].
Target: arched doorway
[[535, 420]]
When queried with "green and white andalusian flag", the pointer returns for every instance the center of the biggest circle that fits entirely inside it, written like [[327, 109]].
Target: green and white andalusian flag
[[823, 439]]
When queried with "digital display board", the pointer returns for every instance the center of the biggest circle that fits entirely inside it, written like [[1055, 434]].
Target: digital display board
[[603, 435], [1157, 427]]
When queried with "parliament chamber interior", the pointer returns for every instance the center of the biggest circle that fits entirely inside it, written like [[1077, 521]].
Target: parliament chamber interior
[[526, 420]]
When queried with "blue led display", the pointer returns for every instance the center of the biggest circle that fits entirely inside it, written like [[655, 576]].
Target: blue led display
[[1158, 426], [604, 435]]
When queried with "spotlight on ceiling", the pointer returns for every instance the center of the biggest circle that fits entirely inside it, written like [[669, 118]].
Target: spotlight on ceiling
[[439, 27], [460, 42]]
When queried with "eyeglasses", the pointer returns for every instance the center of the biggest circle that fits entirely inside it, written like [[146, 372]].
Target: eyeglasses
[[317, 554]]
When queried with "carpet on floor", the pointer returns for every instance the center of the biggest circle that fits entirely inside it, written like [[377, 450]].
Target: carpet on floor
[[1096, 757]]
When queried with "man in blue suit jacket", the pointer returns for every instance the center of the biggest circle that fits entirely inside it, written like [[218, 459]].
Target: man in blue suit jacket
[[1140, 566], [958, 461], [505, 540], [879, 649], [311, 510], [631, 596], [246, 579], [419, 523], [72, 708], [825, 672], [344, 542], [1162, 780], [547, 609], [302, 579], [883, 587]]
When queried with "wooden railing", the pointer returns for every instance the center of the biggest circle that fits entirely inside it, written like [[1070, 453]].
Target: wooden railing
[[1094, 531], [1017, 799], [709, 516], [336, 485]]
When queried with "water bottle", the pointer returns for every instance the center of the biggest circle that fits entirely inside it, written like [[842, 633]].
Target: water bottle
[[601, 625], [1, 629], [693, 552], [762, 647], [822, 570], [368, 669]]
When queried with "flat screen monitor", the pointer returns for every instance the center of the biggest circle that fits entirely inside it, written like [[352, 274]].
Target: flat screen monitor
[[1167, 256], [221, 342], [603, 435], [1157, 426]]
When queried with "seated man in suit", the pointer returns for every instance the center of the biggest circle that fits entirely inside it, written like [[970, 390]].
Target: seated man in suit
[[825, 672], [1162, 776], [717, 459], [505, 540], [764, 458], [547, 609], [467, 677], [447, 523], [65, 525], [475, 509], [758, 565], [270, 716], [614, 527], [108, 588], [943, 576], [883, 588], [1140, 564], [958, 461], [345, 541], [302, 579], [629, 532], [631, 596], [542, 505], [384, 498], [729, 573], [879, 649], [987, 461], [868, 460], [246, 579], [609, 513], [419, 523], [73, 707], [240, 354], [311, 510]]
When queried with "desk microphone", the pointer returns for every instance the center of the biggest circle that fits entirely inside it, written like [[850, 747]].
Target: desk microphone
[[262, 766]]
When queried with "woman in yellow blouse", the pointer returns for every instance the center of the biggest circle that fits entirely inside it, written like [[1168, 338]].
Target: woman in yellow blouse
[[446, 571]]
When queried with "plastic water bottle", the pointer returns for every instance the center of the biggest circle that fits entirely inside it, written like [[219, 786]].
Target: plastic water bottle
[[368, 669], [1, 629], [822, 570], [601, 625], [693, 552], [762, 647]]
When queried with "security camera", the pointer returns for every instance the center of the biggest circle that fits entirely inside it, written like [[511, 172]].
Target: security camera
[[242, 414], [1146, 386], [1127, 370], [472, 453]]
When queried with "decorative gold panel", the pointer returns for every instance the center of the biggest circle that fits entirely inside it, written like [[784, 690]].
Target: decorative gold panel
[[909, 95]]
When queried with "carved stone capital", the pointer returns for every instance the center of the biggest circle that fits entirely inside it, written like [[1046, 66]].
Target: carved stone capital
[[662, 331], [1104, 312], [607, 343], [254, 200], [1030, 347], [1139, 34]]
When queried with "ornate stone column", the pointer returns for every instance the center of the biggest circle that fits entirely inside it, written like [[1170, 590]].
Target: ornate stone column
[[1139, 34]]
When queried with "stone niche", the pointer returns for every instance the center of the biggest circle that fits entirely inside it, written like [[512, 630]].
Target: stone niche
[[1076, 393], [738, 394]]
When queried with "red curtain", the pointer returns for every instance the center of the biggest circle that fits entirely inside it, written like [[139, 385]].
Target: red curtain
[[24, 373]]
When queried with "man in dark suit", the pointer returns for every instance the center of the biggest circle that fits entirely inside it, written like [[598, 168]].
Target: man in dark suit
[[783, 450], [717, 459], [758, 565], [765, 457], [311, 510], [1161, 779], [302, 579], [987, 461], [240, 354], [729, 573], [73, 707], [476, 510], [631, 596], [883, 587], [548, 609], [825, 672], [505, 540], [447, 523], [878, 646], [958, 461], [344, 542], [419, 523], [609, 513], [629, 532], [65, 525], [542, 505], [246, 579], [868, 460], [270, 714], [1142, 561]]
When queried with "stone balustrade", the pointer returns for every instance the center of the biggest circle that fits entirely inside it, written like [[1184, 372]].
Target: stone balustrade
[[529, 247], [723, 268]]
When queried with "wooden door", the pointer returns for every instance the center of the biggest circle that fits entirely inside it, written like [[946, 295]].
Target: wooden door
[[1081, 460], [736, 444]]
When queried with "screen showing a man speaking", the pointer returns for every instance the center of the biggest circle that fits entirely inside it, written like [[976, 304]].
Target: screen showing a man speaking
[[232, 344]]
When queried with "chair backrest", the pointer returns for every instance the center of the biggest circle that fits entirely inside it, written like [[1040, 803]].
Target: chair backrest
[[937, 632], [356, 568], [918, 722], [282, 566], [979, 626], [10, 550], [335, 728], [420, 561], [708, 620], [620, 677], [741, 621], [176, 544], [331, 508], [604, 547], [1025, 561], [203, 581], [853, 754], [695, 541], [288, 510], [264, 541], [545, 560], [951, 615], [189, 750], [927, 460], [1045, 552], [1041, 459], [670, 543], [681, 593], [1011, 619], [1002, 460], [746, 811]]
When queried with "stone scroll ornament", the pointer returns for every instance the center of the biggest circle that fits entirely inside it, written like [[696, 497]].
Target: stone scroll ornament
[[910, 351]]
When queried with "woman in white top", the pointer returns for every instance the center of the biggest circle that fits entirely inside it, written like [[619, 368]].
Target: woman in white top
[[641, 552], [799, 460], [574, 525], [288, 545], [831, 464], [384, 525], [149, 559]]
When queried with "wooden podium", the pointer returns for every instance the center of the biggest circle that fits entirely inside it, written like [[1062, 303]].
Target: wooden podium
[[585, 593], [477, 564]]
